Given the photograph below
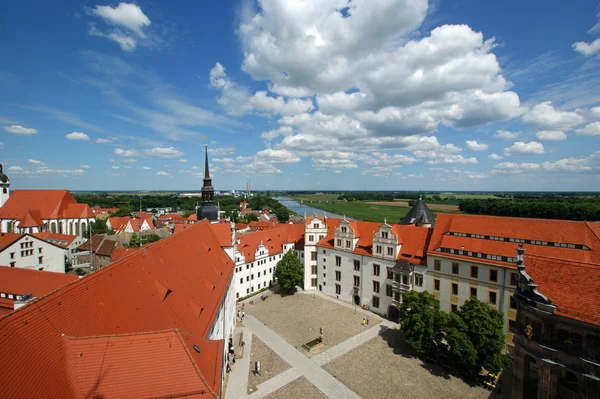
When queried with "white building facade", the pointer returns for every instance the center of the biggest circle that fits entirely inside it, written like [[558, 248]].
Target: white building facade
[[29, 252]]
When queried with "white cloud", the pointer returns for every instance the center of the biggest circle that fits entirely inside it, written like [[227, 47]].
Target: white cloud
[[324, 164], [103, 141], [128, 167], [505, 135], [568, 165], [284, 131], [130, 160], [550, 135], [85, 166], [66, 117], [45, 170], [410, 176], [512, 167], [596, 112], [125, 15], [544, 116], [260, 167], [520, 147], [146, 168], [453, 159], [591, 129], [15, 169], [77, 136], [127, 153], [16, 129], [221, 151], [116, 167], [161, 173], [36, 163], [495, 157], [385, 161], [587, 49], [475, 146], [164, 152], [277, 156], [126, 42]]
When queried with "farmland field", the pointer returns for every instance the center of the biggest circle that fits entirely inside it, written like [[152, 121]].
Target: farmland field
[[433, 207]]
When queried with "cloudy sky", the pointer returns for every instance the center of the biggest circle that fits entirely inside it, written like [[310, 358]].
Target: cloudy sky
[[299, 94]]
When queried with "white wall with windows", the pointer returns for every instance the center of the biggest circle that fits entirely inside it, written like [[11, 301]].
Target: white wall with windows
[[314, 231], [29, 252]]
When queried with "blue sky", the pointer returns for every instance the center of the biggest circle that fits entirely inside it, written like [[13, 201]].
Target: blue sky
[[359, 95]]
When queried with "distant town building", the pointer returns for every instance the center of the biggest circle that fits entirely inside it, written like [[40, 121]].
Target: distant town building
[[34, 211], [68, 242], [25, 251], [129, 225]]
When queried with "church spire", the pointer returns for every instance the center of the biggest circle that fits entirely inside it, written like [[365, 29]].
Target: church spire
[[207, 209], [206, 174]]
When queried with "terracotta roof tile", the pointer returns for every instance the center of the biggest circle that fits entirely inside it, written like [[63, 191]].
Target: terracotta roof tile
[[52, 204], [272, 239], [31, 218], [61, 240], [121, 252], [121, 298], [106, 248], [7, 239], [573, 287]]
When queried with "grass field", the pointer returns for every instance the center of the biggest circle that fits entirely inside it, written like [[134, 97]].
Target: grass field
[[315, 197]]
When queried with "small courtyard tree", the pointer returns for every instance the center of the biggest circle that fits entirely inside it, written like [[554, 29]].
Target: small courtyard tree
[[422, 322], [289, 271]]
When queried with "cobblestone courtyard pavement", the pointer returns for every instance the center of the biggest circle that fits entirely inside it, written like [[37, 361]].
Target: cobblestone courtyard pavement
[[297, 318], [359, 362]]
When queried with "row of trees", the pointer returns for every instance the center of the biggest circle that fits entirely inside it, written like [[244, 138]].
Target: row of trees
[[468, 340], [544, 207]]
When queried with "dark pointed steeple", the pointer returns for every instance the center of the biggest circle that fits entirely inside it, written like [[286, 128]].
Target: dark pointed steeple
[[207, 209]]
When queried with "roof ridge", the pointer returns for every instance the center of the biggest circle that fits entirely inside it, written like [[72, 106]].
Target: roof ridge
[[196, 367], [590, 265], [587, 224]]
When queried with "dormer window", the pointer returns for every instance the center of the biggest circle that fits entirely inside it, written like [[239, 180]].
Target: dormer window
[[344, 229], [378, 249], [315, 225], [384, 234]]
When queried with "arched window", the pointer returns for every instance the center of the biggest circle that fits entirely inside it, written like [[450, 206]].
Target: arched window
[[83, 228], [76, 228], [53, 227], [70, 227], [570, 381]]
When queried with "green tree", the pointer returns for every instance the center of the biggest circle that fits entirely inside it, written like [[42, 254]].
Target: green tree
[[147, 239], [422, 322], [289, 271], [485, 330], [98, 227], [462, 355], [134, 241], [283, 214], [123, 211], [251, 218]]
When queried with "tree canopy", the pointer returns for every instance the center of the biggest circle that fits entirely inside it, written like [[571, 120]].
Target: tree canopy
[[470, 339], [289, 271]]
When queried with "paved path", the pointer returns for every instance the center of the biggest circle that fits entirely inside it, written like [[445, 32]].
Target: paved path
[[351, 343], [324, 381], [237, 385]]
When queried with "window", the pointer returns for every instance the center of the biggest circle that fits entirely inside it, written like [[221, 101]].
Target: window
[[313, 269], [313, 255], [492, 298], [324, 252], [378, 249], [474, 271], [247, 267], [390, 251], [247, 278], [247, 290], [324, 275], [259, 286], [405, 280], [237, 295], [513, 279], [338, 289], [376, 286], [376, 270], [390, 273], [454, 289], [473, 292], [348, 244], [455, 268], [493, 275], [511, 325], [357, 265], [12, 255], [258, 274], [338, 260], [436, 284], [437, 265], [384, 234], [315, 225], [512, 303], [252, 288], [311, 238], [453, 308], [271, 268], [356, 281], [338, 242], [388, 290], [242, 280], [375, 301], [321, 237], [344, 229], [313, 282], [338, 276], [324, 260], [252, 277], [418, 279]]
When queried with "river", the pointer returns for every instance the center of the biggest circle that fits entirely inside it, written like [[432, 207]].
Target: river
[[309, 210]]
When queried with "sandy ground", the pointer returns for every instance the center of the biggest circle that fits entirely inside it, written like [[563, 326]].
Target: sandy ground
[[271, 363], [300, 388], [385, 368], [297, 319], [433, 207]]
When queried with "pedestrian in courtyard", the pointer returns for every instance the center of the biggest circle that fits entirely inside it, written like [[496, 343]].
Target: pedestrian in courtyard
[[364, 321], [367, 321], [243, 314], [234, 357]]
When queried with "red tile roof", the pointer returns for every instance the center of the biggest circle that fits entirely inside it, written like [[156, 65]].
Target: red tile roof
[[573, 287], [128, 366], [223, 233], [19, 281], [96, 241], [193, 216], [137, 223], [7, 239], [106, 248], [119, 224], [240, 226], [121, 252], [180, 227], [309, 219], [272, 239], [561, 231], [137, 294], [97, 210], [61, 240], [52, 204], [31, 218]]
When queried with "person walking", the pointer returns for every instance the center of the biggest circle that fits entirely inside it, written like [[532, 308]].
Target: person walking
[[234, 357]]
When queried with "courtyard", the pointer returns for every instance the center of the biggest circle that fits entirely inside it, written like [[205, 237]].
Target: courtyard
[[358, 361]]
